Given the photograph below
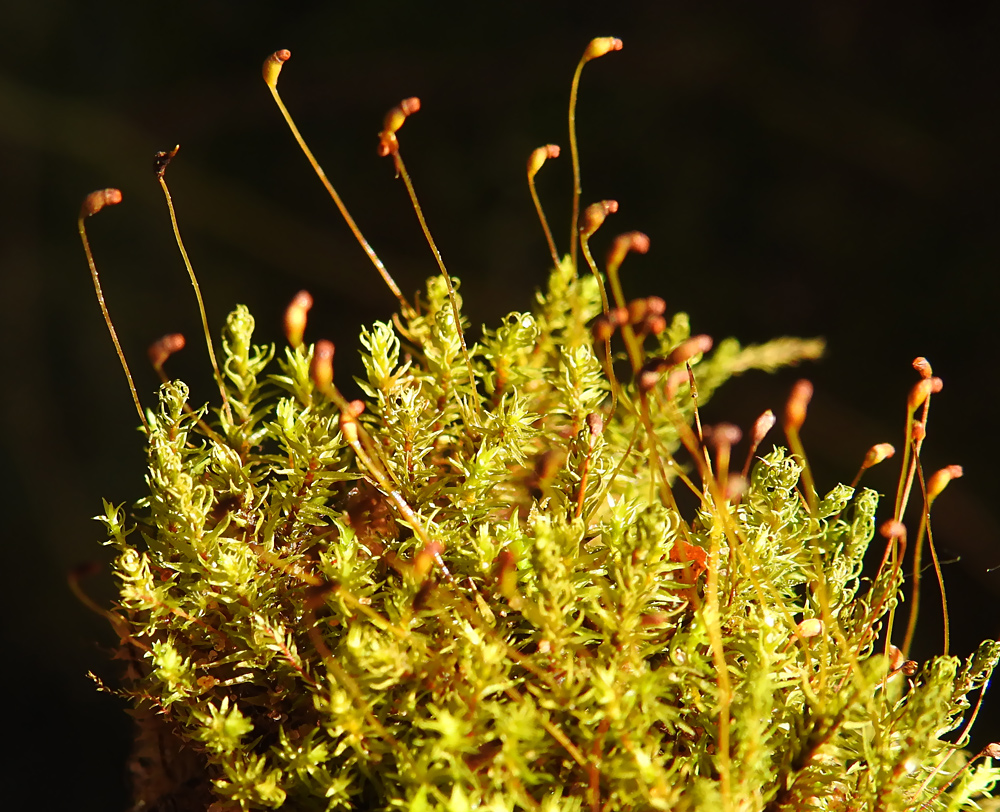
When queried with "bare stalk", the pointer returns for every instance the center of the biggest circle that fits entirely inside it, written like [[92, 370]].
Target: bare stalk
[[272, 67], [92, 204], [162, 161]]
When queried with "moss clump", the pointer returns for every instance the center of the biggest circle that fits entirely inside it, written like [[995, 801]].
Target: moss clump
[[474, 589]]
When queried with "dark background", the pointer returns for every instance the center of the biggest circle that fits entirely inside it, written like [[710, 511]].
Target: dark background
[[804, 169]]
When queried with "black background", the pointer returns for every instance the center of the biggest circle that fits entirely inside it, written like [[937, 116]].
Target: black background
[[803, 169]]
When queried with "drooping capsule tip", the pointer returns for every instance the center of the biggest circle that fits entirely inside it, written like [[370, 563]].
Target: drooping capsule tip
[[876, 454], [159, 351], [939, 480], [96, 201], [539, 156], [593, 216], [272, 66], [921, 390], [387, 143], [629, 241], [923, 366], [397, 115], [599, 46], [639, 242]]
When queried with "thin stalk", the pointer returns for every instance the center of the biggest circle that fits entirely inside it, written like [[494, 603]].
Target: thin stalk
[[808, 483], [609, 367], [545, 223], [695, 448], [911, 455], [929, 498], [597, 47], [606, 489], [944, 597], [162, 160], [401, 169], [919, 396], [925, 529], [710, 610], [906, 471], [647, 421], [585, 246], [762, 425], [584, 477], [272, 82], [989, 750], [911, 624], [696, 414], [534, 164], [93, 204], [574, 152], [632, 344]]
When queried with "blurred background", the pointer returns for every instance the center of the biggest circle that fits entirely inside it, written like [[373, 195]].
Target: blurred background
[[801, 169]]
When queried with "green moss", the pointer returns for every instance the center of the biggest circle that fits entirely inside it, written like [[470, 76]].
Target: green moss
[[480, 593], [563, 655]]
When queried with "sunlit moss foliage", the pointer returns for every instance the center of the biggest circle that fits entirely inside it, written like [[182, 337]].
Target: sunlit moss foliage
[[475, 588]]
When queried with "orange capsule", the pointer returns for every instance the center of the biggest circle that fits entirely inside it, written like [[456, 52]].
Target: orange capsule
[[160, 351], [810, 627], [595, 214], [629, 241], [273, 64], [599, 46], [96, 201], [939, 480], [296, 316], [538, 157], [923, 366], [877, 453], [761, 426], [798, 403], [321, 368], [602, 328], [696, 345]]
